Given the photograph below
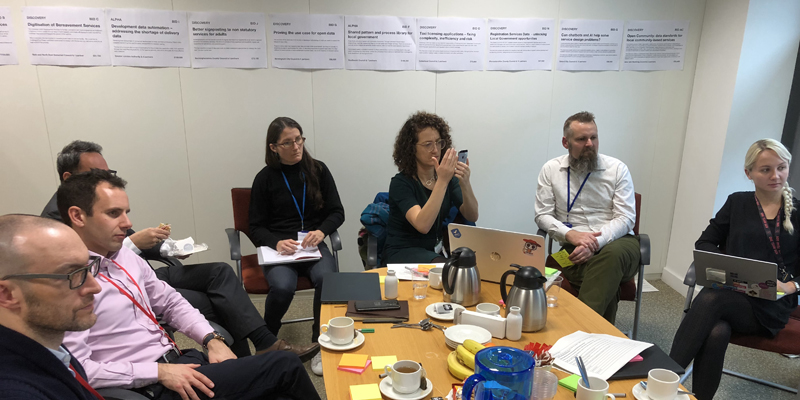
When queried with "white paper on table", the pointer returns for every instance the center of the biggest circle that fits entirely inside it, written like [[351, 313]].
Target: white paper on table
[[66, 36], [402, 273], [655, 45], [267, 255], [148, 38], [227, 40], [589, 45], [8, 49], [380, 43], [450, 44], [520, 44], [603, 355], [307, 41]]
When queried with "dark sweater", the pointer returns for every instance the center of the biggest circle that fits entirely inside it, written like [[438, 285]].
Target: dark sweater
[[273, 215], [738, 230], [29, 371]]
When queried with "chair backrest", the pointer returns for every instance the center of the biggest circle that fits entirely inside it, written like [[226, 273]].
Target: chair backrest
[[638, 212], [241, 210]]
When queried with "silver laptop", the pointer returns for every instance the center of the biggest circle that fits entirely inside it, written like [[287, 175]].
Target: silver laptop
[[721, 271], [496, 250]]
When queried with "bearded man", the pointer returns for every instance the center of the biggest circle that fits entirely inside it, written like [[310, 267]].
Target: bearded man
[[585, 200]]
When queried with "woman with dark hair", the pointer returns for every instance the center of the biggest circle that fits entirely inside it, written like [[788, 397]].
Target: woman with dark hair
[[760, 225], [294, 194], [431, 181]]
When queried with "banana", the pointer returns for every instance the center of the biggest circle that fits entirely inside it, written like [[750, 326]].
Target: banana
[[473, 346], [456, 369], [466, 357]]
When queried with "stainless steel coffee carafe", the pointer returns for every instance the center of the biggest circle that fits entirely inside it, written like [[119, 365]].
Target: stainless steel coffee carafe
[[527, 294], [460, 278]]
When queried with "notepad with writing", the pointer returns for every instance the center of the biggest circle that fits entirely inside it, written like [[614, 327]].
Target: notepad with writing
[[268, 256]]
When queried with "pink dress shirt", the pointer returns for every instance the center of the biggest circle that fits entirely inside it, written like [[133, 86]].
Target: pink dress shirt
[[121, 349]]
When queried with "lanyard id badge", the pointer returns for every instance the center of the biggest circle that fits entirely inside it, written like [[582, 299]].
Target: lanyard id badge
[[299, 211], [775, 240], [570, 205]]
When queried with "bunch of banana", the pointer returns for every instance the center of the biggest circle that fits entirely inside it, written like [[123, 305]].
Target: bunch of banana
[[461, 362]]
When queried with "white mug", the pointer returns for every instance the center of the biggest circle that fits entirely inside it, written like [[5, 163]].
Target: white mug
[[599, 390], [435, 277], [662, 384], [338, 330], [406, 376], [488, 308]]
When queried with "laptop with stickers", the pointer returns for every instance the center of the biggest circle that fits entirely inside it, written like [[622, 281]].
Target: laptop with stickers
[[752, 277], [496, 250]]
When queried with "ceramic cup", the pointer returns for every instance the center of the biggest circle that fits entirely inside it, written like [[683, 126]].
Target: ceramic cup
[[435, 277], [599, 390], [406, 376], [662, 384], [488, 308], [338, 330]]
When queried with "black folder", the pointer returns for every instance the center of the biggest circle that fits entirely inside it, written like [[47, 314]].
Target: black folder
[[653, 357], [341, 287]]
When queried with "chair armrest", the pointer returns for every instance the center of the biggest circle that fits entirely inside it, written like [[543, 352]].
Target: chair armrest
[[336, 241], [234, 244], [644, 249], [691, 276], [548, 239], [372, 251]]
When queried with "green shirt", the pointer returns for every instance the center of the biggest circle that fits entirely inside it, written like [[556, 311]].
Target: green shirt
[[404, 244]]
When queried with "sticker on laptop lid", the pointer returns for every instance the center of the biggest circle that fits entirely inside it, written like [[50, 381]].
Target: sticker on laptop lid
[[456, 233], [530, 246]]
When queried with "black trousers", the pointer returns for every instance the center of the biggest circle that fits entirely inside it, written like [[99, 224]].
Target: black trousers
[[214, 289], [273, 375]]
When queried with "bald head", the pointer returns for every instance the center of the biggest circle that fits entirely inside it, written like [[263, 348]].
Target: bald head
[[27, 239]]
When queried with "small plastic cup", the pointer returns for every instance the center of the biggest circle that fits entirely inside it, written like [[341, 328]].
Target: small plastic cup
[[545, 384], [552, 293], [420, 290]]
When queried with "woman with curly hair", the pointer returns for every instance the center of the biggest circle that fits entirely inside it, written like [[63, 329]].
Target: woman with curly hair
[[430, 182]]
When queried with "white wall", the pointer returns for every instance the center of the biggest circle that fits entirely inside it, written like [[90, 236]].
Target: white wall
[[741, 92], [184, 137]]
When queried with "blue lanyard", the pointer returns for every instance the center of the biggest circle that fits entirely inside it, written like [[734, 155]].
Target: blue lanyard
[[570, 205], [303, 211]]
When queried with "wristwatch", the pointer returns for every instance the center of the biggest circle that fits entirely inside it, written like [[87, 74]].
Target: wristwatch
[[211, 336], [796, 287]]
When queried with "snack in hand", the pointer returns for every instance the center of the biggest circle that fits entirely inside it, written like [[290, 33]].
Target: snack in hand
[[166, 227]]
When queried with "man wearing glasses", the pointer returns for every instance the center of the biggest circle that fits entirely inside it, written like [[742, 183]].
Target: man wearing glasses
[[212, 288], [127, 347], [47, 287]]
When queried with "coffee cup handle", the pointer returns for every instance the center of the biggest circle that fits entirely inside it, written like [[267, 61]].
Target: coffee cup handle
[[323, 328], [611, 396]]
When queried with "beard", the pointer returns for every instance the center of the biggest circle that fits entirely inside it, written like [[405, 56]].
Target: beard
[[46, 319], [585, 163]]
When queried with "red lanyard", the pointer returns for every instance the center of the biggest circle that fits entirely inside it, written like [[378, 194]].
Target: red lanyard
[[145, 310], [774, 240], [85, 384]]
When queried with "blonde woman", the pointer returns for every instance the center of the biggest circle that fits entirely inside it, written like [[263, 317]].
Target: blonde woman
[[760, 225]]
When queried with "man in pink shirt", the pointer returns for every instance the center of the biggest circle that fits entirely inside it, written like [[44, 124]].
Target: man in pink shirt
[[127, 347]]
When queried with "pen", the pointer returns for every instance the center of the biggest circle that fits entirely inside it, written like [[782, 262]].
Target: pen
[[618, 395]]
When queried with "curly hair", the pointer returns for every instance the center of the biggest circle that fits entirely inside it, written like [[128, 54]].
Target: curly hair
[[405, 145]]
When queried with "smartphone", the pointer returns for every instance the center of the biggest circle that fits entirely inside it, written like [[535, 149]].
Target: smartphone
[[377, 305], [462, 156]]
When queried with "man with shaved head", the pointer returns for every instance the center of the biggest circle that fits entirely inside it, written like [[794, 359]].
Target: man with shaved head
[[47, 287]]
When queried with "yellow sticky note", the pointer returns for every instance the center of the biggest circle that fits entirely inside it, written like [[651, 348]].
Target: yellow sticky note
[[379, 362], [353, 360], [382, 279], [562, 257], [370, 391], [425, 267]]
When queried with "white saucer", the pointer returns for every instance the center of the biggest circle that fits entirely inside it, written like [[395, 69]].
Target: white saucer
[[325, 342], [459, 333], [640, 393], [388, 391], [431, 311]]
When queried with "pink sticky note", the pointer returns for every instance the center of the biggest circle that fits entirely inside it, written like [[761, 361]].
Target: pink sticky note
[[356, 370], [636, 359]]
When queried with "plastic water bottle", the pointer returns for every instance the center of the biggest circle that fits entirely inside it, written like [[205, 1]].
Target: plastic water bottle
[[390, 286], [514, 324]]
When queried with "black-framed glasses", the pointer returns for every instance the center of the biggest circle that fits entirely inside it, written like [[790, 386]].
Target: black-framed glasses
[[290, 143], [429, 145], [76, 278]]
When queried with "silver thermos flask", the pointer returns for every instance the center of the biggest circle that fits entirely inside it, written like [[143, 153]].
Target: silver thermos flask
[[527, 294]]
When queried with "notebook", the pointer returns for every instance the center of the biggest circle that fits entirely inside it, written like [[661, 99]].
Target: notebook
[[496, 250], [341, 287], [653, 357]]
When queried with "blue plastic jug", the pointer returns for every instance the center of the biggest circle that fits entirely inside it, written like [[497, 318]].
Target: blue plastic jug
[[501, 373]]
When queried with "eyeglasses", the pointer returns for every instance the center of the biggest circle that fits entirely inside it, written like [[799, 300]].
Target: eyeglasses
[[429, 145], [290, 143], [76, 278]]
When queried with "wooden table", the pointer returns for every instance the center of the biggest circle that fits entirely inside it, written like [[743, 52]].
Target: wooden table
[[429, 348]]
